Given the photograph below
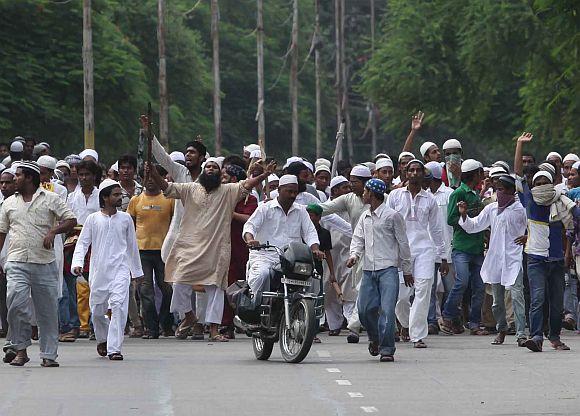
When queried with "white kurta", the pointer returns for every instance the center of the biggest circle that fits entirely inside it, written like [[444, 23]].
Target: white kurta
[[114, 253], [503, 261]]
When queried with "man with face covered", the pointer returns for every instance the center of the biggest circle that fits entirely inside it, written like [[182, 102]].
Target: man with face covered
[[114, 260], [200, 255]]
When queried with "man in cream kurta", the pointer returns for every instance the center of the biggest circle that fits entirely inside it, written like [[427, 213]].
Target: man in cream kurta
[[200, 255]]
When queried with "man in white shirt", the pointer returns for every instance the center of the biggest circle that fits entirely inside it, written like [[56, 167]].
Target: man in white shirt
[[83, 202], [441, 284], [280, 222], [114, 260], [351, 205], [502, 266], [424, 231], [380, 227]]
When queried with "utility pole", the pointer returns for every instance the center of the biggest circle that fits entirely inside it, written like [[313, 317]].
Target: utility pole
[[217, 105], [317, 78], [163, 103], [89, 98], [260, 54], [371, 104], [294, 79]]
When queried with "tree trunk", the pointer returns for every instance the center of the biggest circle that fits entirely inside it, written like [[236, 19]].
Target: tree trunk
[[294, 79], [317, 76], [337, 69], [89, 101], [163, 104], [217, 105], [344, 77], [260, 54], [372, 106]]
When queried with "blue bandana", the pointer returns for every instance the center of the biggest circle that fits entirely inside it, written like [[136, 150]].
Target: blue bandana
[[376, 185]]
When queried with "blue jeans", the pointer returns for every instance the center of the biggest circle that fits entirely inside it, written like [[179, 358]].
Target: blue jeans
[[570, 297], [67, 305], [546, 283], [467, 273], [378, 295]]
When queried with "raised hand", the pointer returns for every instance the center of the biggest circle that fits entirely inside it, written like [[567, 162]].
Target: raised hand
[[525, 137], [144, 120], [462, 207], [271, 168], [417, 121]]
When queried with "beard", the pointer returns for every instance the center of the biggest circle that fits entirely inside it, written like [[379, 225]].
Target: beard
[[210, 182]]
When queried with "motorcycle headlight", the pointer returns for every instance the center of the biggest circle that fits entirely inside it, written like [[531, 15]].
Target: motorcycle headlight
[[302, 268]]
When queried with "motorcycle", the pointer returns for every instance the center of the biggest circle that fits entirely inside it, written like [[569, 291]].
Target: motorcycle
[[289, 310]]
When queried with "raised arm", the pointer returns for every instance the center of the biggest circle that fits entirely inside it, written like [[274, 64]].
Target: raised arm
[[416, 123], [161, 156], [518, 162], [251, 183], [475, 224]]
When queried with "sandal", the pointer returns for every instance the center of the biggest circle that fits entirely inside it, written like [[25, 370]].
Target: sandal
[[9, 355], [533, 345], [116, 356], [47, 362], [218, 338], [500, 338], [559, 346], [522, 342], [478, 332], [102, 349], [20, 360], [419, 344], [405, 335], [373, 348], [67, 337], [334, 332], [387, 359], [446, 327]]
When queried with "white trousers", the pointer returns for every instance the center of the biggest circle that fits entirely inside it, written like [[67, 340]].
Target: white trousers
[[259, 267], [209, 306], [112, 331], [414, 317], [184, 300]]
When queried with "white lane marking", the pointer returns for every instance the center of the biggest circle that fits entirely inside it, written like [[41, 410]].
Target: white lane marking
[[369, 409], [333, 370], [353, 394], [343, 382], [323, 354]]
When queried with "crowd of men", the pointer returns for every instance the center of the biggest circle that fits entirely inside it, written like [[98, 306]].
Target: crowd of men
[[427, 243]]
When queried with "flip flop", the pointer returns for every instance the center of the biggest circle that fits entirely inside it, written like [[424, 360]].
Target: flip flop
[[49, 363], [560, 346], [419, 344], [405, 335], [387, 359], [218, 338], [116, 356]]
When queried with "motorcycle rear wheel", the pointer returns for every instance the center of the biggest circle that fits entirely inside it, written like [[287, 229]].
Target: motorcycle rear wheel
[[262, 348], [295, 342]]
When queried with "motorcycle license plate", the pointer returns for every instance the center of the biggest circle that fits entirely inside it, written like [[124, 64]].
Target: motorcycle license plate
[[296, 282]]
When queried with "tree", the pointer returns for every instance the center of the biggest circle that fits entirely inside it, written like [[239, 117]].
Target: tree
[[163, 103], [217, 105], [89, 99]]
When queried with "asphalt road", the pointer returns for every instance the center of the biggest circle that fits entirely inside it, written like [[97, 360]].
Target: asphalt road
[[458, 375]]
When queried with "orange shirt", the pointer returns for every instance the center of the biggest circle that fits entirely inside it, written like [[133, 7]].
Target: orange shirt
[[152, 215]]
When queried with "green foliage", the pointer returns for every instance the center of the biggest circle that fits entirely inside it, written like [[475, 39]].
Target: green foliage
[[482, 71]]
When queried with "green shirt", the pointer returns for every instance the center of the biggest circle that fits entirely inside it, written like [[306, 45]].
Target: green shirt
[[462, 241]]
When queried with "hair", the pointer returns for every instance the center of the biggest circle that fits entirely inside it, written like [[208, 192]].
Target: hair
[[30, 139], [130, 159], [469, 176], [529, 155], [199, 146], [4, 144], [31, 174], [106, 193], [379, 196], [90, 166], [295, 168], [234, 160]]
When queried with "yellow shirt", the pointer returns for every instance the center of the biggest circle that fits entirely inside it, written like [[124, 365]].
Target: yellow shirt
[[152, 215]]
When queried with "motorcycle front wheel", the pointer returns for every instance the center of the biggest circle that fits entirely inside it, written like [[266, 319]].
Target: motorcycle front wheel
[[295, 341], [262, 349]]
